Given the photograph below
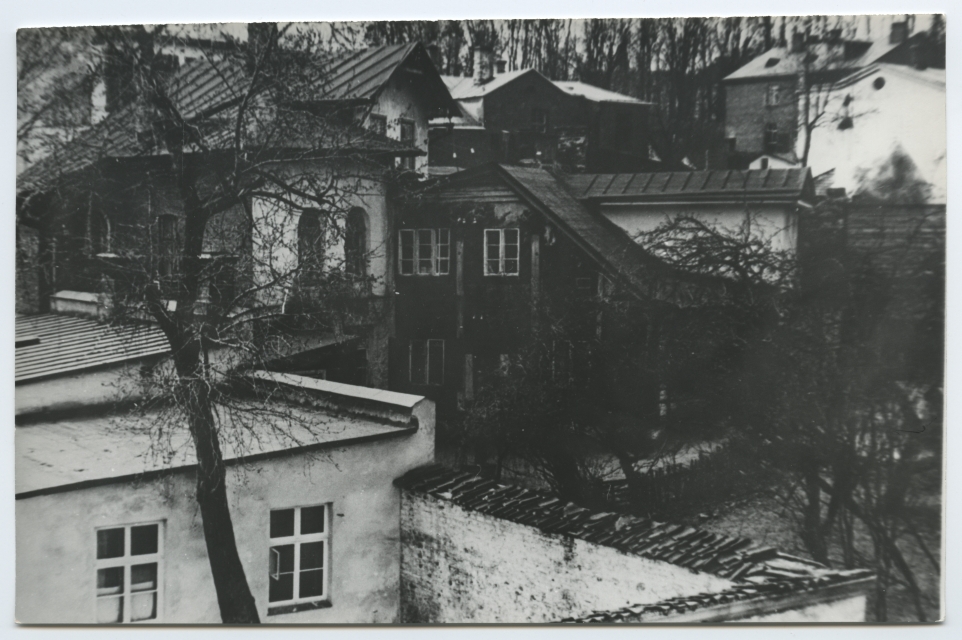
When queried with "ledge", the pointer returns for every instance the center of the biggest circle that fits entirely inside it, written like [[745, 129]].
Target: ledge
[[297, 608]]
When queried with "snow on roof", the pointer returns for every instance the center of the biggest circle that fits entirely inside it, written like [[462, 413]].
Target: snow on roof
[[465, 88], [595, 94], [780, 61]]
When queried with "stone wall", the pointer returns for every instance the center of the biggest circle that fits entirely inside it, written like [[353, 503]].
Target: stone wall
[[462, 566]]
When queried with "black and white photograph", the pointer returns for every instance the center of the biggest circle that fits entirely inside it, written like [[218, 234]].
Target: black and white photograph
[[616, 320]]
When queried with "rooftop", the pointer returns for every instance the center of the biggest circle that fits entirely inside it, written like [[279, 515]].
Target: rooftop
[[752, 569], [67, 344], [101, 449], [595, 94], [767, 184]]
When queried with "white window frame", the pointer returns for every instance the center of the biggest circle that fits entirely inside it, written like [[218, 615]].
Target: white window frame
[[501, 258], [127, 561], [427, 362], [297, 540], [440, 265]]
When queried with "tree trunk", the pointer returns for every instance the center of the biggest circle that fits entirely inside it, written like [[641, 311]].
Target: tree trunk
[[234, 597]]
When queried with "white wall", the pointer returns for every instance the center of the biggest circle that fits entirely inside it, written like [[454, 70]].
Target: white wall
[[776, 224], [398, 101], [905, 112], [56, 540]]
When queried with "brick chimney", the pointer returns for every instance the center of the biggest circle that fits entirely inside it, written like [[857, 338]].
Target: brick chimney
[[500, 67], [899, 32], [483, 72]]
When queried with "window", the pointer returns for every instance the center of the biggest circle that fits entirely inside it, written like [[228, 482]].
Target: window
[[167, 244], [355, 243], [424, 252], [772, 95], [129, 572], [426, 362], [501, 252], [771, 137], [299, 555], [407, 136], [310, 242], [98, 233], [378, 124], [539, 120]]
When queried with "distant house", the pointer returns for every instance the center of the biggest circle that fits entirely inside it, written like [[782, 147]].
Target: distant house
[[108, 197], [884, 112], [762, 103], [107, 529], [522, 115], [482, 247]]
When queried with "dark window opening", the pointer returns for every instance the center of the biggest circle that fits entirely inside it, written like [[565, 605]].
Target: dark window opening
[[355, 243]]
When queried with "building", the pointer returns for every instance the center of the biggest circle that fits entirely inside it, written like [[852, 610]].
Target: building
[[523, 116], [108, 530], [764, 107], [483, 250], [883, 113], [108, 201], [475, 551]]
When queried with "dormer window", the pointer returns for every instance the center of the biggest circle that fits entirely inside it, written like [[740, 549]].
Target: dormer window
[[771, 62]]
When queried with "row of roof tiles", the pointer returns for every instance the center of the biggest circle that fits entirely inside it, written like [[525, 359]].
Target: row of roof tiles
[[791, 183], [754, 569]]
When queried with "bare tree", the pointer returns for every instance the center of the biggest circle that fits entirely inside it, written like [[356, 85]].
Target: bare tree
[[260, 174]]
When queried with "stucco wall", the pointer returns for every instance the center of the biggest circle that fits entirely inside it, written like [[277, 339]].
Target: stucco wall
[[770, 223], [85, 388], [56, 542], [461, 566], [399, 101], [844, 610]]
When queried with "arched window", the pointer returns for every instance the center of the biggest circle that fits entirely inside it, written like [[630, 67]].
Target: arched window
[[355, 243], [167, 244], [310, 242]]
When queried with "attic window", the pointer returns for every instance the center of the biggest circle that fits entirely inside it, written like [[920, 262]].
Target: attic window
[[879, 83], [771, 62]]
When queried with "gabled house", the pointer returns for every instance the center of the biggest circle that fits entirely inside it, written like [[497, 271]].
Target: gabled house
[[523, 116], [764, 105], [108, 197]]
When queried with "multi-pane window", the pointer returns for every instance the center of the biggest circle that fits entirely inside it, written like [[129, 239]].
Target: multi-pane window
[[299, 555], [501, 252], [407, 136], [771, 137], [378, 124], [424, 252], [355, 243], [129, 572], [426, 362]]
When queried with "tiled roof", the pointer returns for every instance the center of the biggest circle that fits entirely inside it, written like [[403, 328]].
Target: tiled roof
[[755, 589], [766, 184], [753, 569], [68, 344], [207, 91], [606, 242]]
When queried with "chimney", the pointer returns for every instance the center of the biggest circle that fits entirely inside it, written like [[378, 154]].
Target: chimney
[[434, 52], [261, 38], [501, 64], [798, 42], [482, 65], [898, 33], [918, 55]]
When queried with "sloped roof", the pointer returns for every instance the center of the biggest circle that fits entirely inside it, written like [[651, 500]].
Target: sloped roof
[[739, 560], [595, 94], [465, 88], [68, 344], [756, 184], [607, 243], [780, 61], [207, 91]]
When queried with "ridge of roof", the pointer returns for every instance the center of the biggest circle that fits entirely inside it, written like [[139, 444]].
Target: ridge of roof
[[739, 560], [791, 183]]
